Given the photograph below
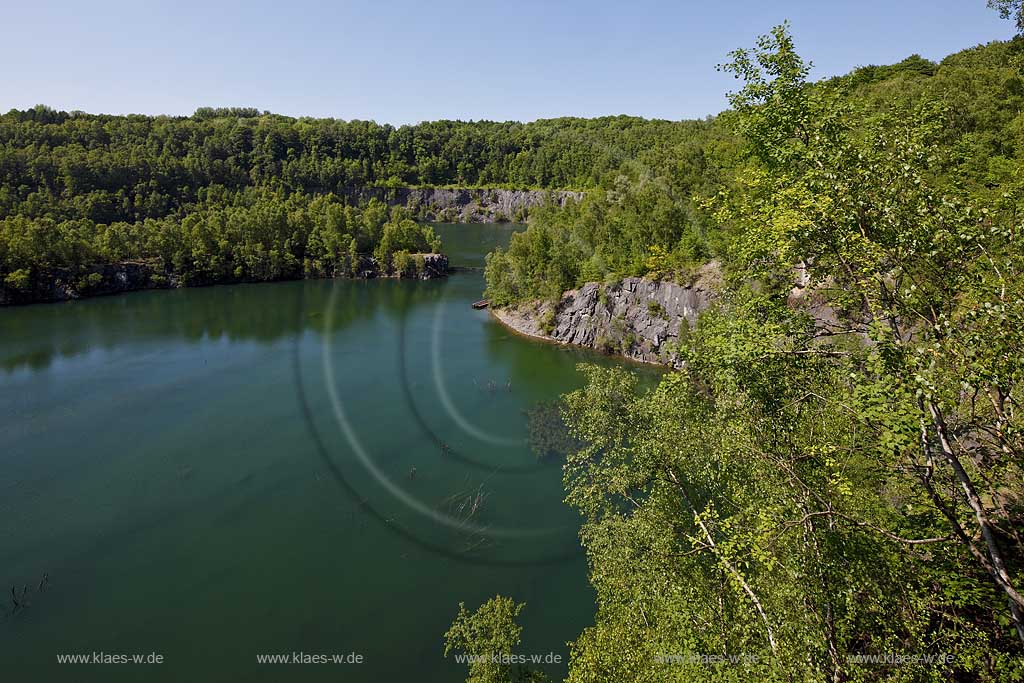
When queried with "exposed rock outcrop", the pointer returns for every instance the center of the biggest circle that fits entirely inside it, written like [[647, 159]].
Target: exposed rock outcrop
[[637, 318], [465, 205], [421, 267], [65, 285], [433, 266]]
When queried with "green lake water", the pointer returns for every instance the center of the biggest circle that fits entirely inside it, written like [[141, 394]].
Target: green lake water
[[212, 474]]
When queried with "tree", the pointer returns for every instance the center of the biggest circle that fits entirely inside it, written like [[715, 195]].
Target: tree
[[489, 635], [920, 270], [353, 257]]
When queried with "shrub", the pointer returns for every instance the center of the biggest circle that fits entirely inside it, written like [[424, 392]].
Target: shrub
[[604, 344], [90, 281], [402, 262], [547, 321], [657, 310], [20, 279]]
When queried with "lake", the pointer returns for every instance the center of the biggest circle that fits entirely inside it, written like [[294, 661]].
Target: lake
[[325, 467]]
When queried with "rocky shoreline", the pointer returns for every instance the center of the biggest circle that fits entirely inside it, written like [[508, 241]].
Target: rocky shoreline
[[636, 318], [132, 276]]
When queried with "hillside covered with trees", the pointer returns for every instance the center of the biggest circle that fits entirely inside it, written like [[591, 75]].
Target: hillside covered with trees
[[237, 194], [656, 213]]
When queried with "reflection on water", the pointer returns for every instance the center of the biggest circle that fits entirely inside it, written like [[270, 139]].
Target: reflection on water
[[35, 336]]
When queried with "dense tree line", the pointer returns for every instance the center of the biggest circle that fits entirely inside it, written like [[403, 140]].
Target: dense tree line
[[254, 234], [129, 168]]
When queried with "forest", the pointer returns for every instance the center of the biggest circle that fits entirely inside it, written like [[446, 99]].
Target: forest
[[658, 213]]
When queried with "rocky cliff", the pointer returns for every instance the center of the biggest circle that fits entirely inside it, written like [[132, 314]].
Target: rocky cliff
[[465, 205], [637, 318]]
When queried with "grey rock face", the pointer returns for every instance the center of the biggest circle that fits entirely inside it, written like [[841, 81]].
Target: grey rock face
[[434, 266], [64, 285], [465, 205], [637, 318]]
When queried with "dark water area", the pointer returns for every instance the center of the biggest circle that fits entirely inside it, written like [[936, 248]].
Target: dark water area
[[326, 467]]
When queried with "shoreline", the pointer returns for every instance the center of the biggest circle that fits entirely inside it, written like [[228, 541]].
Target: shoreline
[[503, 318], [128, 277], [636, 318]]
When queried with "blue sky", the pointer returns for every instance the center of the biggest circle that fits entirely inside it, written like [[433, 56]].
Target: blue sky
[[399, 62]]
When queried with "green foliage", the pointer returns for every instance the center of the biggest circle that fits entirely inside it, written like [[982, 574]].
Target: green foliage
[[913, 66], [650, 216], [490, 634], [926, 269], [636, 224], [656, 309], [774, 103], [254, 234], [402, 234], [547, 320], [128, 168], [20, 279], [353, 256], [206, 113], [239, 194], [402, 263], [89, 282], [830, 482], [837, 472], [604, 344]]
